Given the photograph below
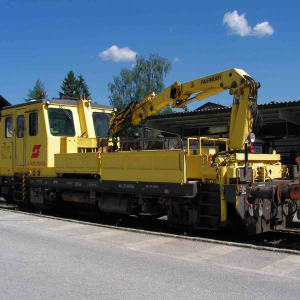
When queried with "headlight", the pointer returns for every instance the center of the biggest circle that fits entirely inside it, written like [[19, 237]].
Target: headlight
[[252, 137]]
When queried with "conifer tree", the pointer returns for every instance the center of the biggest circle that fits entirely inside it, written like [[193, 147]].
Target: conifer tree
[[38, 92], [73, 87], [82, 87], [69, 86]]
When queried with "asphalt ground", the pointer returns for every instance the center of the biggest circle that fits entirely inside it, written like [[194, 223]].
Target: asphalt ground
[[44, 258]]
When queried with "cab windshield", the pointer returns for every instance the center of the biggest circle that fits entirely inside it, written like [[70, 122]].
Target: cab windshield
[[61, 122], [101, 123]]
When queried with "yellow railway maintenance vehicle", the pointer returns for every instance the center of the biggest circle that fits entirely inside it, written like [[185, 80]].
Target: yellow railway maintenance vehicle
[[49, 156]]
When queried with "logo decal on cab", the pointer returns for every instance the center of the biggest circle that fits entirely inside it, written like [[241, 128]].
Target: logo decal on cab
[[36, 151]]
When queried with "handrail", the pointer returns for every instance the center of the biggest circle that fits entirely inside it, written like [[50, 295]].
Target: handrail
[[142, 141], [206, 139]]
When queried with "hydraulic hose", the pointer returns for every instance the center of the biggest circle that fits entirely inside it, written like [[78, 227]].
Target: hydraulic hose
[[276, 209], [296, 208]]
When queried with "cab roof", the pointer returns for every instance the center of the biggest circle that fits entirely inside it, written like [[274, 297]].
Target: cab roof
[[56, 101]]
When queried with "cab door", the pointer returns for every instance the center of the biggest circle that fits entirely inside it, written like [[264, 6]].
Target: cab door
[[7, 144], [19, 138]]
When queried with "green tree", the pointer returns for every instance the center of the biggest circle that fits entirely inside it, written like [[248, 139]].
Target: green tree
[[82, 87], [38, 92], [73, 87], [69, 86], [146, 77]]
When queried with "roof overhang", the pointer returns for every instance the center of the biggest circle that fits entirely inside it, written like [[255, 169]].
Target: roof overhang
[[3, 102], [278, 119]]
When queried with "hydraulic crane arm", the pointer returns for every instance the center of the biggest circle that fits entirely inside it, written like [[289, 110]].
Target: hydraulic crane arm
[[238, 82]]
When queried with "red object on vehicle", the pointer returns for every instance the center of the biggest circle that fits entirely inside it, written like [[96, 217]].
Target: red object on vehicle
[[295, 188]]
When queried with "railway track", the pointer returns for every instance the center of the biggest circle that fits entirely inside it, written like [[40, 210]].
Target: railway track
[[285, 241]]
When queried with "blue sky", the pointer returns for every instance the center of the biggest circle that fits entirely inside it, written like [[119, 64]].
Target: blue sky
[[46, 39]]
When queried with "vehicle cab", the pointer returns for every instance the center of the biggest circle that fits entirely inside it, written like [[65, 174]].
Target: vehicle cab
[[33, 132]]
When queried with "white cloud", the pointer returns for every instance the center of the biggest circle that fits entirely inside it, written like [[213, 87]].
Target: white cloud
[[118, 54], [263, 29], [238, 24], [176, 59]]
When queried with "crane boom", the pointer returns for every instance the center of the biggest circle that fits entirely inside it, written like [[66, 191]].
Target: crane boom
[[237, 81]]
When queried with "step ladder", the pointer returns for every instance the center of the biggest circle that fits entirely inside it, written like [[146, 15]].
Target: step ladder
[[20, 191], [209, 207]]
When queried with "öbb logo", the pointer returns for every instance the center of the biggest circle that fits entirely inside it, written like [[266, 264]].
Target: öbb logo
[[36, 151]]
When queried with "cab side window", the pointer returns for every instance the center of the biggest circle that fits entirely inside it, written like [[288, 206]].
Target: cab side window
[[8, 127], [20, 126], [33, 124], [61, 122], [101, 123]]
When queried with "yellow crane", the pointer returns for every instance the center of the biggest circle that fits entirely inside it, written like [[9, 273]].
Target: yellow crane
[[242, 86]]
